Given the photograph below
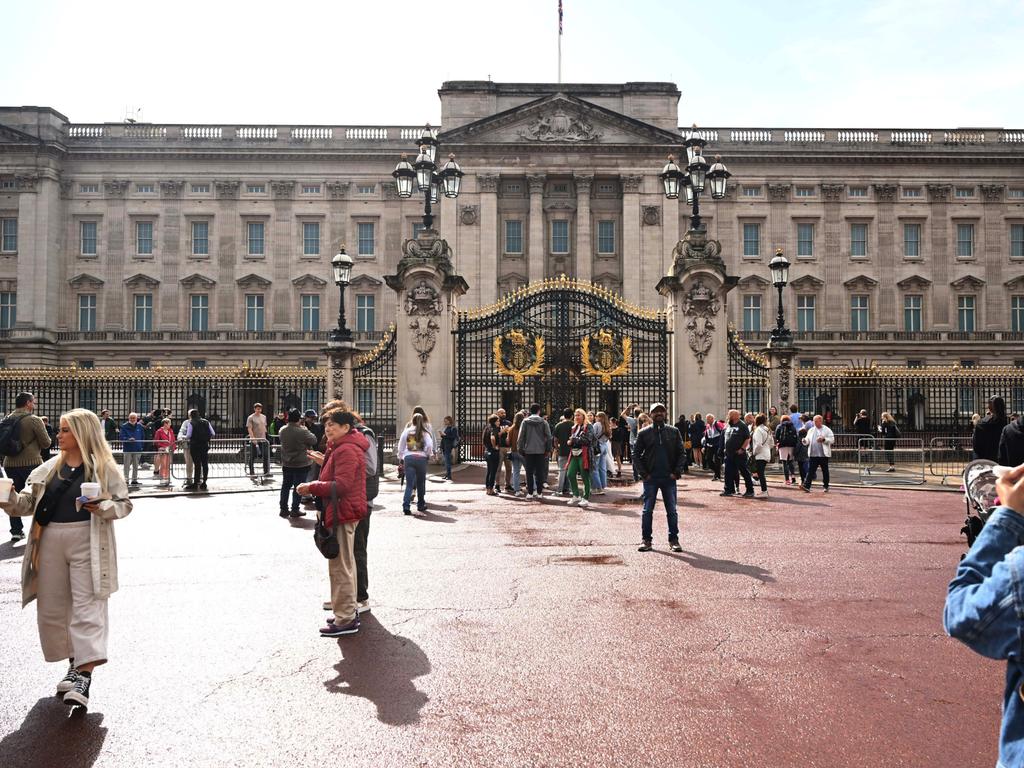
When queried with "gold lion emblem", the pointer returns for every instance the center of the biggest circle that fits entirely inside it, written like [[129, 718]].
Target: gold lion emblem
[[512, 355], [605, 361]]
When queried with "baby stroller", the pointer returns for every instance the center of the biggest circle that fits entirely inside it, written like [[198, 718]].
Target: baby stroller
[[979, 484]]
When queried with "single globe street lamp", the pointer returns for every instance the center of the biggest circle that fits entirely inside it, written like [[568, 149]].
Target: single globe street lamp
[[696, 177], [424, 175], [341, 264], [779, 267]]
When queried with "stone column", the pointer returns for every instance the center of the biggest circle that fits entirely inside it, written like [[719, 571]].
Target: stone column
[[427, 288], [696, 289], [887, 315], [778, 220], [340, 385], [940, 256], [834, 309], [535, 264], [781, 374], [632, 287], [584, 247], [489, 267]]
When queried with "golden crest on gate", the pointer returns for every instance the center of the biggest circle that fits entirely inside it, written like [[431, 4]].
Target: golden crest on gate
[[602, 356], [518, 356]]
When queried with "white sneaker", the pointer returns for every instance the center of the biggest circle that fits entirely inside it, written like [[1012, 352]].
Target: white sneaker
[[762, 493], [520, 494], [598, 492], [363, 606], [536, 495], [584, 503], [575, 500]]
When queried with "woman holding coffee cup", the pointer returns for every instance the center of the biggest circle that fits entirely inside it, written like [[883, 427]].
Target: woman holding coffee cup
[[70, 563]]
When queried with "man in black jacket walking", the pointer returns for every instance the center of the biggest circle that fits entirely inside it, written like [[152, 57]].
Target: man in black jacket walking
[[1011, 443], [659, 460], [737, 435]]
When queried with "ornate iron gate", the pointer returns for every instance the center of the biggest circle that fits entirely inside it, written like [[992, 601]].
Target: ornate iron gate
[[373, 378], [560, 343], [749, 389]]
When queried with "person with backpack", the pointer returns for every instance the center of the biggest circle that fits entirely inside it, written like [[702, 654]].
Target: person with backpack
[[199, 432], [1011, 443], [737, 438], [761, 444], [415, 447], [133, 437], [534, 443], [296, 442], [23, 438], [890, 434], [787, 440], [714, 444]]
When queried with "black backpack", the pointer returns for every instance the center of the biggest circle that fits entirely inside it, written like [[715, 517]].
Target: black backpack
[[787, 436], [201, 438], [10, 435], [373, 469]]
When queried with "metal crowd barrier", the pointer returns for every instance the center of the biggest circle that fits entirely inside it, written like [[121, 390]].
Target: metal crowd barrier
[[948, 455], [898, 461], [229, 458]]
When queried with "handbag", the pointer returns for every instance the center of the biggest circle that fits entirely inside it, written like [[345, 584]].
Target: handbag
[[326, 539], [687, 445]]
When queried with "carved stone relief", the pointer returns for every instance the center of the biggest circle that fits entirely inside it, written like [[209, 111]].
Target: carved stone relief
[[583, 184], [938, 192], [115, 188], [652, 215], [171, 189], [778, 191], [631, 184], [992, 193], [226, 190], [336, 190], [700, 307], [536, 183], [832, 192], [282, 190], [885, 193], [424, 339], [488, 182], [468, 216], [423, 299], [560, 126]]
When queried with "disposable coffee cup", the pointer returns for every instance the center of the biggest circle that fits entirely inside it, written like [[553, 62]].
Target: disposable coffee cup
[[6, 484], [90, 490]]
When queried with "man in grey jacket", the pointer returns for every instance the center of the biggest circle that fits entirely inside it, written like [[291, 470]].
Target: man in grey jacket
[[295, 441], [535, 445]]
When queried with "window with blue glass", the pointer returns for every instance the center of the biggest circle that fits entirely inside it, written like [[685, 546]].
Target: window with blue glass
[[254, 312], [311, 238], [560, 236], [87, 311], [8, 309], [365, 232], [199, 312], [310, 312], [144, 312], [513, 236], [606, 237]]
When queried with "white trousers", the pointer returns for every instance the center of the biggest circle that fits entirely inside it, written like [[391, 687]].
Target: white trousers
[[72, 621]]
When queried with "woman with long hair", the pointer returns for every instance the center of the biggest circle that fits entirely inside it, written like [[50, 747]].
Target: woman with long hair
[[514, 454], [761, 443], [491, 453], [696, 437], [890, 434], [70, 564], [581, 440], [602, 435], [988, 431], [415, 447]]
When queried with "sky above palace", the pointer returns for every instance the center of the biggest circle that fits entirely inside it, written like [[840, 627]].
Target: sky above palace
[[799, 64]]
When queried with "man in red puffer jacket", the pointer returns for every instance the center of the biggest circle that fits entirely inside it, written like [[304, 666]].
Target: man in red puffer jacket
[[342, 486]]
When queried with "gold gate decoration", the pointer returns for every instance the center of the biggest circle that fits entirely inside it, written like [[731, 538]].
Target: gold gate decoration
[[606, 360], [512, 355]]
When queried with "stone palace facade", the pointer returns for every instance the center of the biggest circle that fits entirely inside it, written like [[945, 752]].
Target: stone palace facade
[[196, 245]]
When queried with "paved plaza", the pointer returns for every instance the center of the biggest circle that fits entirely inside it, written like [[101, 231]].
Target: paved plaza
[[801, 630]]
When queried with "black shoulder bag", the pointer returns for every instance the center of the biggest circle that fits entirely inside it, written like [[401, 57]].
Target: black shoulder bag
[[326, 539], [54, 494]]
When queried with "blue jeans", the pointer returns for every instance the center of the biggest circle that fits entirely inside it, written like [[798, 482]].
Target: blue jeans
[[291, 478], [599, 474], [517, 466], [447, 452], [415, 472], [19, 475], [667, 486]]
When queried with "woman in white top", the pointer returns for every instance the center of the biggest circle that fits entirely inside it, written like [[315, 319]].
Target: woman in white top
[[415, 446], [602, 434], [761, 443]]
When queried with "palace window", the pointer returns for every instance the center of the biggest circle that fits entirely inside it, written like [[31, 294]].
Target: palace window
[[859, 240], [200, 189], [912, 241], [365, 189], [256, 237], [753, 399], [912, 192], [366, 236], [858, 191], [310, 312], [143, 312], [254, 312], [805, 313], [805, 191], [88, 189], [417, 229], [311, 238], [751, 191], [967, 398], [8, 309], [196, 365], [87, 238], [87, 311], [9, 235], [311, 189], [858, 313], [560, 236], [1017, 314], [964, 192], [805, 399], [309, 365], [145, 189], [310, 398], [804, 239], [256, 189], [964, 241], [912, 313], [144, 238], [199, 312], [606, 237], [965, 313], [752, 312], [1016, 241], [751, 239], [200, 238], [87, 398], [366, 313], [513, 236], [144, 398]]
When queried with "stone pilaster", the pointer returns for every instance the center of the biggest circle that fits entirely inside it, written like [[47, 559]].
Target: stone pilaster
[[535, 254], [427, 288], [489, 267], [340, 384], [115, 224], [781, 374], [885, 194], [996, 316], [940, 255], [632, 287], [584, 247], [834, 310]]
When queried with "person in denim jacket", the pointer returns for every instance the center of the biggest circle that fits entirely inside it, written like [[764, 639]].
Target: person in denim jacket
[[985, 606]]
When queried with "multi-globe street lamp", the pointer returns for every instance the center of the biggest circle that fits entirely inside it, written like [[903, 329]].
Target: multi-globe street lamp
[[779, 267], [697, 175], [424, 176], [341, 264]]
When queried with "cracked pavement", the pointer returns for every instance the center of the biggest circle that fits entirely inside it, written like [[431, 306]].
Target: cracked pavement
[[515, 633]]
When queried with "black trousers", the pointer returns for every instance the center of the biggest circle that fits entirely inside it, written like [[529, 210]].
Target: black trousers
[[359, 549], [812, 470], [291, 477], [19, 475], [201, 462], [536, 471], [493, 462]]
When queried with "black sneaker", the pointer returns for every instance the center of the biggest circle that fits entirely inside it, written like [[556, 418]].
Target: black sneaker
[[68, 682], [748, 495], [78, 696], [297, 513], [646, 546], [17, 537], [673, 544], [283, 513], [202, 487], [727, 493]]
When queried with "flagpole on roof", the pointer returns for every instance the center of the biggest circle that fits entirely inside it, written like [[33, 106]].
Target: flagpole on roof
[[559, 42]]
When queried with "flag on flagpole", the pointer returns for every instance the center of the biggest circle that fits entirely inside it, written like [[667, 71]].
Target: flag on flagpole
[[559, 17]]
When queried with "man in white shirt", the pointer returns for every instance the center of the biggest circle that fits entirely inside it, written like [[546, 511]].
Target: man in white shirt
[[256, 426], [819, 442]]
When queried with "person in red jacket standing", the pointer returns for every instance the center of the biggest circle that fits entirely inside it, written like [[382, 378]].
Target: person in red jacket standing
[[342, 486]]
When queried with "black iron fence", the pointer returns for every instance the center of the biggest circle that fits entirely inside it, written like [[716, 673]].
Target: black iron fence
[[375, 383]]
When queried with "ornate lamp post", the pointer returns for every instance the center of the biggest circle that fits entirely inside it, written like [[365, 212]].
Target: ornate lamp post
[[779, 267], [424, 175], [342, 266], [698, 175]]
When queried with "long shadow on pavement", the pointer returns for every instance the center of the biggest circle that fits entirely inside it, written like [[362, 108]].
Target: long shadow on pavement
[[706, 563], [8, 551], [381, 667], [50, 736], [430, 517]]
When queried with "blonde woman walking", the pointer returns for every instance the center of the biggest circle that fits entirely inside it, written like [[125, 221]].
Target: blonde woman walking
[[70, 563]]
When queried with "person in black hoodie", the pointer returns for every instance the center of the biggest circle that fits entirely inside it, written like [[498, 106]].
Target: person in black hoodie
[[988, 430], [1011, 443], [737, 436], [660, 459]]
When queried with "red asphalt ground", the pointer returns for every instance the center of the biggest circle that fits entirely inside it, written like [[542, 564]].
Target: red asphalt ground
[[794, 631]]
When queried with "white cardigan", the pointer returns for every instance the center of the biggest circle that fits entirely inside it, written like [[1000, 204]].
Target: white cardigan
[[761, 443], [813, 433]]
